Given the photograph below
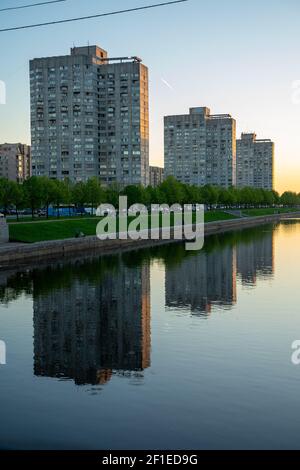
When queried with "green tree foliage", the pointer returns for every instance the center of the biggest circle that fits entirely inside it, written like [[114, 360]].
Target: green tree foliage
[[36, 193], [48, 196], [33, 189], [17, 197], [94, 193], [79, 195], [6, 193]]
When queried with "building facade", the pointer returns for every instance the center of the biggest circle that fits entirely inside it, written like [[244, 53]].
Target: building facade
[[255, 162], [90, 117], [15, 162], [200, 148], [156, 176]]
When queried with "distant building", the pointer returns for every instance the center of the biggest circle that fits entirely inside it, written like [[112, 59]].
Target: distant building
[[255, 162], [156, 176], [90, 117], [15, 162], [200, 148]]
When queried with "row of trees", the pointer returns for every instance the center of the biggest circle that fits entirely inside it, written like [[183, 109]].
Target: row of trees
[[41, 192]]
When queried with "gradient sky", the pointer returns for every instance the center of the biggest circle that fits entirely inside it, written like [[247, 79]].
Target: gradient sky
[[233, 56]]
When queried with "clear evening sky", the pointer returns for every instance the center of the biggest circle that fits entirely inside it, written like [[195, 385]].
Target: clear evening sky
[[233, 56]]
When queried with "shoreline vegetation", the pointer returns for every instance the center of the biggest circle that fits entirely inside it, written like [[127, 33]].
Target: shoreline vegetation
[[27, 254], [44, 209]]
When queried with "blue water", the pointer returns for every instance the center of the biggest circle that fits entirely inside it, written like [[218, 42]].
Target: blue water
[[157, 349]]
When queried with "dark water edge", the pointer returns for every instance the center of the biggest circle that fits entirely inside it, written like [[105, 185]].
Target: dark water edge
[[158, 348]]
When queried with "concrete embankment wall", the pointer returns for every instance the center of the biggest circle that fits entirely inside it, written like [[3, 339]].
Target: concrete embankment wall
[[23, 254]]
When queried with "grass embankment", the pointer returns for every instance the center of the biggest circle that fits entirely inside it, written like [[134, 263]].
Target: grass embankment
[[261, 212], [28, 219], [61, 229], [32, 232]]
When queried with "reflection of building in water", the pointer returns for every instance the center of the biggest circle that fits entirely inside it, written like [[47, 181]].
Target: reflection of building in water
[[87, 331], [256, 258], [202, 280]]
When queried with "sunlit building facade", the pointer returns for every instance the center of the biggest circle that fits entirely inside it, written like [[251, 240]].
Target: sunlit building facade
[[90, 117], [15, 162]]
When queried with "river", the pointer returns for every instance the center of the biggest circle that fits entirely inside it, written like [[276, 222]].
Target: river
[[156, 349]]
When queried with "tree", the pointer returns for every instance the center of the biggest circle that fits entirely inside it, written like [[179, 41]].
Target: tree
[[171, 191], [79, 195], [67, 191], [58, 194], [33, 189], [17, 197], [289, 198], [112, 194], [49, 191], [6, 193], [135, 195], [210, 195], [94, 193]]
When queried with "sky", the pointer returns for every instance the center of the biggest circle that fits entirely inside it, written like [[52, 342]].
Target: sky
[[232, 56]]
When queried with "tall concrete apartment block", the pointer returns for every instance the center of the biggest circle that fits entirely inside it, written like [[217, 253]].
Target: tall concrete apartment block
[[255, 162], [200, 148], [15, 162], [156, 176], [90, 117]]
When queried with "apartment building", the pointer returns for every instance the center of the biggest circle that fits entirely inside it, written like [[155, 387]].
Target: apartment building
[[200, 148], [255, 162], [156, 176], [90, 117], [15, 162], [87, 331]]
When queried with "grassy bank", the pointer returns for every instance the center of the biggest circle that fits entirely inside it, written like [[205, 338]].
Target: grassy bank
[[31, 232], [260, 212], [61, 229]]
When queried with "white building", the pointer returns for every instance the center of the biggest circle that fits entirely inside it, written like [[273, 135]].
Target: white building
[[200, 148], [90, 117]]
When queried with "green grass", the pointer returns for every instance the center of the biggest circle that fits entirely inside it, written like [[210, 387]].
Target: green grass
[[61, 229], [43, 219], [31, 232], [214, 216]]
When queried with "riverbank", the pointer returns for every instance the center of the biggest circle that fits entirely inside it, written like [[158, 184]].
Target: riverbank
[[62, 229], [23, 254]]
